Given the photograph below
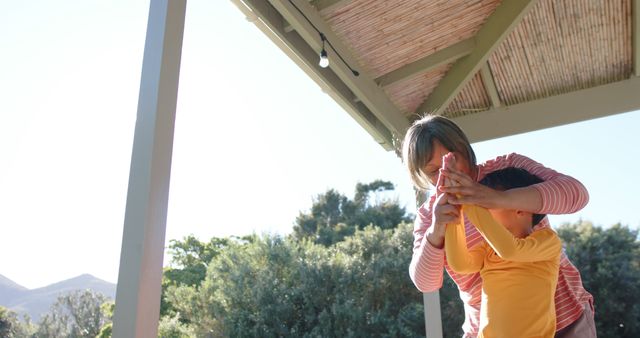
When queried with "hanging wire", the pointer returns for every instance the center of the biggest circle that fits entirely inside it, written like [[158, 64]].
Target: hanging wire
[[324, 38]]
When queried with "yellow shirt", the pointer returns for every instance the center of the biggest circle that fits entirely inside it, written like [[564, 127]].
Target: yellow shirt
[[519, 275]]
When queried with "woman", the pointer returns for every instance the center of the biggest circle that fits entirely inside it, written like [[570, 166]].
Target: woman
[[425, 143]]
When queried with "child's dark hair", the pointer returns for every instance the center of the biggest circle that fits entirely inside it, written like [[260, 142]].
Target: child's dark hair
[[510, 178]]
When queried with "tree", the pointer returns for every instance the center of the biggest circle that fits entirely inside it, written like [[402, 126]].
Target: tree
[[334, 216], [190, 257], [609, 263], [11, 326], [451, 308], [107, 309], [189, 260], [274, 286], [253, 282], [173, 327], [77, 314]]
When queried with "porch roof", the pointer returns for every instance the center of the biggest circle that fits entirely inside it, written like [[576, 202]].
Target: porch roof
[[495, 67]]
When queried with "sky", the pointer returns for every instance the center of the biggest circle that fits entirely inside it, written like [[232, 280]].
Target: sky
[[255, 138]]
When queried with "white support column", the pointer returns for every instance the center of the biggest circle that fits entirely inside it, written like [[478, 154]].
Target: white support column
[[431, 300], [137, 307], [432, 316]]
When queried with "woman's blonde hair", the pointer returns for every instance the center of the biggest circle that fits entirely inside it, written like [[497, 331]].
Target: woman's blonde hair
[[417, 147]]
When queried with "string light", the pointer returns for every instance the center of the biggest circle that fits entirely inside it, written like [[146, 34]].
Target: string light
[[324, 58]]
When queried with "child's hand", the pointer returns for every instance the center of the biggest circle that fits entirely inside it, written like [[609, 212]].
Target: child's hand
[[469, 191]]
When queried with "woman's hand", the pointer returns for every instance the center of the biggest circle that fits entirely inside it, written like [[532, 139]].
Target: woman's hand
[[468, 191], [443, 213]]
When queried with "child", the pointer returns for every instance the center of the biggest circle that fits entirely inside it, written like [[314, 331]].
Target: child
[[519, 267]]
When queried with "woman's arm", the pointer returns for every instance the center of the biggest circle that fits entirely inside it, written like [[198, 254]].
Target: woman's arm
[[540, 245], [427, 262], [558, 194]]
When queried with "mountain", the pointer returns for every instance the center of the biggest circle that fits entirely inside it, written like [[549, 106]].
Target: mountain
[[9, 290], [37, 302]]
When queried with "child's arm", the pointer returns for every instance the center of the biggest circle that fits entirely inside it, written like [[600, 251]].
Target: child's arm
[[540, 245], [460, 259]]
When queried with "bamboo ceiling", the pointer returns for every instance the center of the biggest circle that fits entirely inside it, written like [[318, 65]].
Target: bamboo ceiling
[[465, 59]]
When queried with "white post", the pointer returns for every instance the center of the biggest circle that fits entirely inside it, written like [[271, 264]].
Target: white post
[[431, 300], [138, 294], [432, 317]]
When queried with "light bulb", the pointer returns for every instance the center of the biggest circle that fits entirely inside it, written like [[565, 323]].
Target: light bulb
[[324, 60]]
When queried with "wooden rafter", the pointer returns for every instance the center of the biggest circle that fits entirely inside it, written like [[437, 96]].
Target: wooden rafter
[[605, 100], [490, 85], [497, 27], [443, 56]]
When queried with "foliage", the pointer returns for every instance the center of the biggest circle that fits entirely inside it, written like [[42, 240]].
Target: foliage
[[189, 260], [275, 286], [11, 326], [609, 263], [281, 287], [338, 276], [172, 327], [107, 309], [77, 314], [334, 216], [451, 308]]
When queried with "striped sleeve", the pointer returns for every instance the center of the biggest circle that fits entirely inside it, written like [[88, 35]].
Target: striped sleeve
[[571, 297], [561, 194], [427, 263]]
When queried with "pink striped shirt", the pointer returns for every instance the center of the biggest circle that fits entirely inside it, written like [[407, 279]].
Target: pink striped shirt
[[561, 194]]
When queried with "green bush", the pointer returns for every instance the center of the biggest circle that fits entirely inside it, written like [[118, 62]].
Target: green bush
[[609, 263], [281, 287]]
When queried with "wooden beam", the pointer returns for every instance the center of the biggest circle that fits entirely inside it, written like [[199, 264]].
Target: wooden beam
[[326, 5], [363, 86], [497, 27], [270, 22], [441, 57], [601, 101], [490, 85], [635, 35]]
